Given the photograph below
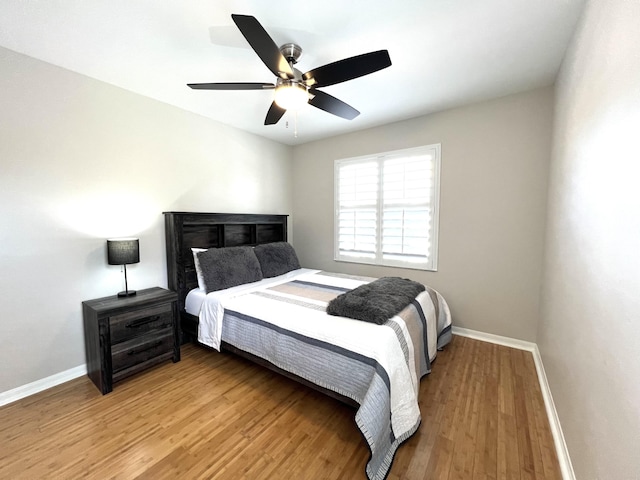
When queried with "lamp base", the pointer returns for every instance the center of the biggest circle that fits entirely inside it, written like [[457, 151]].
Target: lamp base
[[127, 293]]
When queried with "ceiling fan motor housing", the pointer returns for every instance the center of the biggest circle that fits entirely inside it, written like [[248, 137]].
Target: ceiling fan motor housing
[[291, 52]]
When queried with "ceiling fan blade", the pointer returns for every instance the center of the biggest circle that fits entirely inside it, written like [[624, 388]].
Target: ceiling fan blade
[[347, 69], [274, 114], [231, 86], [263, 45], [331, 104]]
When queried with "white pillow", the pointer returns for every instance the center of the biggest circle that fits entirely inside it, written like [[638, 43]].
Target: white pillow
[[196, 263]]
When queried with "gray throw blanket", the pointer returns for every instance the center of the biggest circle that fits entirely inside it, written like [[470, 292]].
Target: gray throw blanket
[[376, 302]]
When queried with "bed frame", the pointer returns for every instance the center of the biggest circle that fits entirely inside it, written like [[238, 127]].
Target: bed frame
[[186, 230]]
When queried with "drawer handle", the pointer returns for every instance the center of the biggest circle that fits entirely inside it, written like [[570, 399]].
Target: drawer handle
[[144, 321], [148, 347]]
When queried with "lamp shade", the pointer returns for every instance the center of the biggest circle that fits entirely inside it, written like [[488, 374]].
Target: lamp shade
[[290, 95], [123, 251]]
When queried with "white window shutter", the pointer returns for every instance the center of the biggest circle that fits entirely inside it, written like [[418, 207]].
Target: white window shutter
[[406, 208], [357, 209], [386, 208]]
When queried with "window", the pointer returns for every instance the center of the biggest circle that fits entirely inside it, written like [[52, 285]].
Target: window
[[386, 208]]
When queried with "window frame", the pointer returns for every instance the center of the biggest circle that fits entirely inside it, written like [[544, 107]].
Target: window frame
[[432, 263]]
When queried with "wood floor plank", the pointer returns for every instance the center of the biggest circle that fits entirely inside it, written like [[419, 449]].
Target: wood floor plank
[[485, 456], [216, 416], [508, 454]]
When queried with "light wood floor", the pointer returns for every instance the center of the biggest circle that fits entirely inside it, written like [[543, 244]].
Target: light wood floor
[[217, 416]]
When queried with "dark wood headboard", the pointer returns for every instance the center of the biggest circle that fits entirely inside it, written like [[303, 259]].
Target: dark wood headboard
[[186, 230]]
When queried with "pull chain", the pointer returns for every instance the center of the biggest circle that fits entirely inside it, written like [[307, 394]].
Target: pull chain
[[295, 124]]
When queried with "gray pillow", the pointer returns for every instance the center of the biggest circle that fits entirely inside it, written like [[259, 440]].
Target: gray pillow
[[227, 267], [276, 258]]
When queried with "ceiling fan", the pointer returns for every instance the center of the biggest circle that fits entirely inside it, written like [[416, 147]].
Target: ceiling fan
[[293, 88]]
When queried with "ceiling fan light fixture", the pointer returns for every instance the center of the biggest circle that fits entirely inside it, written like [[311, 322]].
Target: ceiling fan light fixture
[[291, 95]]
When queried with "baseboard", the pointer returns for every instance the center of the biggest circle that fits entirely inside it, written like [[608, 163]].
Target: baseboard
[[497, 339], [42, 384], [554, 422]]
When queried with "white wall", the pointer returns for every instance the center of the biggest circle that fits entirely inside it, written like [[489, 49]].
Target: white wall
[[590, 330], [81, 161], [495, 158]]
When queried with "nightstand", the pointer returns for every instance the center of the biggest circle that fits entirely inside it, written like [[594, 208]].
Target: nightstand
[[126, 335]]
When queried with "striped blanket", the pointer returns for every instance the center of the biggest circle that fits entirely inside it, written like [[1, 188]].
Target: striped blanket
[[379, 366]]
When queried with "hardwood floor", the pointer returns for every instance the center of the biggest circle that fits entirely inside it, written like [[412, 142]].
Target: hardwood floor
[[217, 416]]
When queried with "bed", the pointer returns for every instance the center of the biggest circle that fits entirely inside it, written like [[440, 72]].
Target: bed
[[279, 319]]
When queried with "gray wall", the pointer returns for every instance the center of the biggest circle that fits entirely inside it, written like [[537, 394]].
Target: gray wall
[[495, 158], [590, 329], [81, 161]]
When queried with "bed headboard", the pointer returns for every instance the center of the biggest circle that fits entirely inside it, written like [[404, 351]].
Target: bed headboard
[[186, 230]]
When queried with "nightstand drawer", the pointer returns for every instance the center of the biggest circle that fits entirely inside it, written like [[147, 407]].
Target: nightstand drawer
[[140, 322], [140, 350]]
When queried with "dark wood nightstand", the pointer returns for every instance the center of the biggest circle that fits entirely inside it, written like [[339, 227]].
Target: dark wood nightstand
[[125, 335]]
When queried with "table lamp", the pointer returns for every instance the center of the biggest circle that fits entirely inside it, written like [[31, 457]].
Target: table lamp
[[123, 251]]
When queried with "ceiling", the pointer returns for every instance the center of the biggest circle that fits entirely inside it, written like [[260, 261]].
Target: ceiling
[[444, 53]]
